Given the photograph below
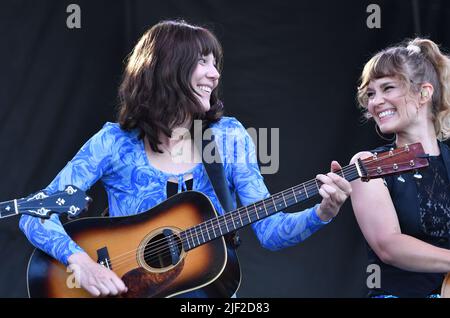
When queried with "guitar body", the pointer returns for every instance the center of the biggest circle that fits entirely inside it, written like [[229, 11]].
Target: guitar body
[[209, 270]]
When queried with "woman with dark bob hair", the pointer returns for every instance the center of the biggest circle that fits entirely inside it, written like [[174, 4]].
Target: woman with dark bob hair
[[170, 83], [406, 219]]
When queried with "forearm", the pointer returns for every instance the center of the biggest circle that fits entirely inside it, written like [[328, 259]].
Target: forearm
[[91, 163], [49, 236], [287, 229], [408, 253]]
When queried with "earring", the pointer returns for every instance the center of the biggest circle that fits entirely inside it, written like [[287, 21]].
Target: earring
[[424, 94], [380, 134]]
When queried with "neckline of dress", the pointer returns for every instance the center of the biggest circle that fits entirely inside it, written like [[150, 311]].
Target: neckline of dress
[[165, 173]]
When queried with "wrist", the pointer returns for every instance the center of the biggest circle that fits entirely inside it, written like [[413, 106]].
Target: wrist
[[323, 215], [78, 258]]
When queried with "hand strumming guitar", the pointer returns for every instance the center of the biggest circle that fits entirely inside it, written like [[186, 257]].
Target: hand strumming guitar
[[95, 278]]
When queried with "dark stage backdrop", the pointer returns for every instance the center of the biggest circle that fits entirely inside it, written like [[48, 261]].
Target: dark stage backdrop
[[291, 65]]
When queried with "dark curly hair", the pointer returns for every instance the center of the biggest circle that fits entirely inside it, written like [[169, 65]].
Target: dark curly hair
[[156, 93]]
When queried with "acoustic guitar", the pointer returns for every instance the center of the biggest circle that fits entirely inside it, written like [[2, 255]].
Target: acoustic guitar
[[71, 200], [177, 248]]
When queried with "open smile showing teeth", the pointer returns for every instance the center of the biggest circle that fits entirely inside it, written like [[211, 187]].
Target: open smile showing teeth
[[205, 88], [388, 112]]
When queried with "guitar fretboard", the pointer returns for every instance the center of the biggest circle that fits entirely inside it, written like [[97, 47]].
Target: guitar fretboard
[[234, 220]]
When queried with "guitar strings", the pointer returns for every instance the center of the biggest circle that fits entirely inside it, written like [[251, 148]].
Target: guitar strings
[[163, 241], [234, 218], [218, 225], [162, 250]]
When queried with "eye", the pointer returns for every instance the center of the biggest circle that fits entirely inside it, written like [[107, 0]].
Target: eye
[[202, 60], [370, 95], [388, 88]]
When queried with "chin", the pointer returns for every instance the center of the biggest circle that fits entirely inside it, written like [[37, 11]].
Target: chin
[[387, 130], [206, 107]]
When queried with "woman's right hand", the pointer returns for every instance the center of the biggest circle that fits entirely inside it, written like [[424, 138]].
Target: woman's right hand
[[95, 278]]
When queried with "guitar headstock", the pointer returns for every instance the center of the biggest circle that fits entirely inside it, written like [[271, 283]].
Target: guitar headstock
[[395, 161], [71, 201]]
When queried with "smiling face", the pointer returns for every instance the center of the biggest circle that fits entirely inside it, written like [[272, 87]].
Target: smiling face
[[205, 79], [392, 106]]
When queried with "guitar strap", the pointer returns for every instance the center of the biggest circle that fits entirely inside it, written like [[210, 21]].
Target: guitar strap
[[216, 175]]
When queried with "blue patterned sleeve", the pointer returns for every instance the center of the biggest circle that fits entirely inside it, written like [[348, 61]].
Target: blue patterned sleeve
[[88, 165], [281, 229]]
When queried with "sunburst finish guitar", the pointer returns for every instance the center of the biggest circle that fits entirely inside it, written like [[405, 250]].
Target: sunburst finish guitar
[[178, 248]]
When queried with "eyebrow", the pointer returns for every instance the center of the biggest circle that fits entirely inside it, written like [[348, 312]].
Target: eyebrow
[[383, 85], [205, 56], [387, 84]]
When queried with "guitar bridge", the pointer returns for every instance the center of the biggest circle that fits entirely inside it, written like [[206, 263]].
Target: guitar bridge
[[103, 257]]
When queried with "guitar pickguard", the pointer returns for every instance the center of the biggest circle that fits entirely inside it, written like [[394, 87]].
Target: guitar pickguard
[[143, 283]]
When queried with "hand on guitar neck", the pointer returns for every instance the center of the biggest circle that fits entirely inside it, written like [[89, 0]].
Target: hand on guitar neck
[[95, 278], [334, 191]]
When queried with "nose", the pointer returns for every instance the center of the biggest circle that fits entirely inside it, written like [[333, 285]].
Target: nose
[[213, 73], [377, 99]]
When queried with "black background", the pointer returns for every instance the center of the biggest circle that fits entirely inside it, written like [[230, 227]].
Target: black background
[[292, 65]]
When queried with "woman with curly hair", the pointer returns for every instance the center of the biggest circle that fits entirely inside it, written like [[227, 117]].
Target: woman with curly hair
[[405, 89]]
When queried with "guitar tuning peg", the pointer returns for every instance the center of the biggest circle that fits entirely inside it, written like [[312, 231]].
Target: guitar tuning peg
[[417, 175], [401, 179]]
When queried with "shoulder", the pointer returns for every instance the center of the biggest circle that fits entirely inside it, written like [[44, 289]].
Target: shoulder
[[115, 129], [229, 128], [111, 136], [232, 138], [115, 132], [227, 123]]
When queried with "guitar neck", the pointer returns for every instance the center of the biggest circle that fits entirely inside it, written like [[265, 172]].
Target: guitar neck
[[8, 208], [234, 220]]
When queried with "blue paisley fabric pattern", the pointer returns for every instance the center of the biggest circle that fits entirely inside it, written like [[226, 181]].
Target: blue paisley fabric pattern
[[133, 185]]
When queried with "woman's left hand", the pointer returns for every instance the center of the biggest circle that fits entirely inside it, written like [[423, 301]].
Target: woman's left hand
[[334, 191]]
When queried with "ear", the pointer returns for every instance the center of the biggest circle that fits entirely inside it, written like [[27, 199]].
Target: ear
[[426, 93]]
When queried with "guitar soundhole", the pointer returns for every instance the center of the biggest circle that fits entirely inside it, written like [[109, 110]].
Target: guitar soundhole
[[163, 250]]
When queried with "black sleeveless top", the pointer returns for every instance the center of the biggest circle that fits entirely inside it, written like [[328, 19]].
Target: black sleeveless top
[[422, 203]]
